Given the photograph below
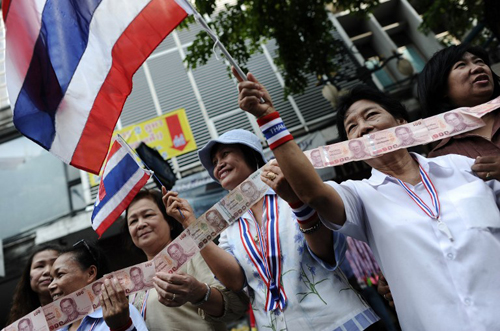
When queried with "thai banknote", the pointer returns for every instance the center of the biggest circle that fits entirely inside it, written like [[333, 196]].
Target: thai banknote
[[451, 123], [136, 278], [34, 321], [68, 309]]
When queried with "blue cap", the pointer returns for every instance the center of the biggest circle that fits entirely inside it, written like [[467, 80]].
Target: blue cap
[[238, 136]]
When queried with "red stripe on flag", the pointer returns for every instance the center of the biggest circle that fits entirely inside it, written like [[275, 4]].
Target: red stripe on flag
[[133, 47], [106, 223], [5, 8]]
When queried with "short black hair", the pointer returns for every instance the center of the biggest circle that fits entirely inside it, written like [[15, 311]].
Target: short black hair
[[365, 92], [433, 80], [87, 254]]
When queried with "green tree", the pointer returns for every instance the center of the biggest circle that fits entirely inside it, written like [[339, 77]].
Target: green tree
[[303, 32]]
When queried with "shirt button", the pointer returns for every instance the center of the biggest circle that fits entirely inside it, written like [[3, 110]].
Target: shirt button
[[449, 256], [467, 302]]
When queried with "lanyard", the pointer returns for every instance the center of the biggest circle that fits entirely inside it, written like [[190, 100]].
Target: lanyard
[[431, 190], [266, 256]]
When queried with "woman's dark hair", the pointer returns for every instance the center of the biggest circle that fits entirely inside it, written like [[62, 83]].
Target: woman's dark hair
[[156, 196], [365, 92], [87, 254], [433, 80], [25, 299], [252, 158]]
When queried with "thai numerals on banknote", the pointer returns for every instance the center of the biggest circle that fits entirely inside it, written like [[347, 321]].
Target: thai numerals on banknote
[[451, 123], [68, 309]]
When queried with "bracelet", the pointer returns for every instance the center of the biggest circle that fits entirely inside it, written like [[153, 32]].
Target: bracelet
[[274, 130], [303, 212], [312, 229], [205, 299]]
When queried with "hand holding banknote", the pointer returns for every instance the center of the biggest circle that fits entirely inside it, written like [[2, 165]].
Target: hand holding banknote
[[174, 290], [487, 167], [274, 178], [114, 304]]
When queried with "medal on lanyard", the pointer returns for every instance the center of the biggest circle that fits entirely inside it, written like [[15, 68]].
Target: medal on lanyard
[[426, 181], [265, 253]]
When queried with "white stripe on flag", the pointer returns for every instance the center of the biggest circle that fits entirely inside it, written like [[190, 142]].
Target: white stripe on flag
[[113, 203], [91, 72], [18, 54], [114, 160]]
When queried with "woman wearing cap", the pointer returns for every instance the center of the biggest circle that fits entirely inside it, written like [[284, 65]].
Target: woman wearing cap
[[295, 287], [433, 226]]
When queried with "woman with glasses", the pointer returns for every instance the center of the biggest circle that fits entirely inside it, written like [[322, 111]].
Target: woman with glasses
[[190, 300], [32, 289], [78, 267]]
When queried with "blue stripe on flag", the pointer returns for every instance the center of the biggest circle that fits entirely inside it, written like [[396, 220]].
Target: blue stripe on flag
[[116, 179], [62, 41]]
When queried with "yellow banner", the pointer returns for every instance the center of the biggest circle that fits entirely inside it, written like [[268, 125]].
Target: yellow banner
[[170, 134]]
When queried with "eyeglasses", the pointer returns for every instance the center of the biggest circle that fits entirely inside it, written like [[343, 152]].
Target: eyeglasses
[[87, 247]]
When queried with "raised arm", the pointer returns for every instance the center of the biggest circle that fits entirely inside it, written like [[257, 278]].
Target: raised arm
[[296, 167], [223, 264]]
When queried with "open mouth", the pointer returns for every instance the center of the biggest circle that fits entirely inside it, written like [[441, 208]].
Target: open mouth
[[481, 79], [56, 296]]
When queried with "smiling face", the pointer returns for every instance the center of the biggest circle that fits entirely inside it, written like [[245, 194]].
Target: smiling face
[[67, 276], [230, 167], [470, 82], [148, 227], [40, 271], [365, 116]]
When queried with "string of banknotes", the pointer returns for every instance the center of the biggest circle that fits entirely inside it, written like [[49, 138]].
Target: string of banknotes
[[225, 212]]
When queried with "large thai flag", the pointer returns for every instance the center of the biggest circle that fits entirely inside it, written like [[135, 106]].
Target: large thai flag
[[69, 67], [122, 179]]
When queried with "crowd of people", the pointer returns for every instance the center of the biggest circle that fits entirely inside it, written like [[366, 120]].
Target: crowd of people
[[432, 224]]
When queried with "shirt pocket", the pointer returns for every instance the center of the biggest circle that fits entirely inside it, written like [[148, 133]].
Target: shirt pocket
[[476, 205]]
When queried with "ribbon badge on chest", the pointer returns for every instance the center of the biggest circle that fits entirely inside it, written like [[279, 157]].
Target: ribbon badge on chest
[[431, 190], [265, 254]]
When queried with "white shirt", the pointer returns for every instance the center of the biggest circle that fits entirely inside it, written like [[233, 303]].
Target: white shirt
[[319, 295], [436, 284]]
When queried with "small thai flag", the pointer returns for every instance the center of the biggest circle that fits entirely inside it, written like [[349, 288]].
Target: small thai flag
[[122, 179], [69, 68]]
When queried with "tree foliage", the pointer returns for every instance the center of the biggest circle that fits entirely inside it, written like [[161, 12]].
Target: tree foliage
[[303, 32]]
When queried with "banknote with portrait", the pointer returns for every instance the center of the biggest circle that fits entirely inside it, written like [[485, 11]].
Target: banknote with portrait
[[451, 123], [136, 278], [68, 309], [34, 321]]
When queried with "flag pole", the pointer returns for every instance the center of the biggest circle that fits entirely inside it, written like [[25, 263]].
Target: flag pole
[[214, 37], [133, 153]]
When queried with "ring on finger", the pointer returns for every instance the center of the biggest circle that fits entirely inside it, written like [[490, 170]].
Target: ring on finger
[[385, 297], [271, 175], [173, 297], [488, 174]]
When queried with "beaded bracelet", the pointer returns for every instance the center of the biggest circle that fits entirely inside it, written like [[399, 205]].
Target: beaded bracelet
[[312, 229], [274, 130], [303, 212], [205, 298]]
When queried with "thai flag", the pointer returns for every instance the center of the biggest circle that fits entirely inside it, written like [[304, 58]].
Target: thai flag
[[122, 179], [69, 67]]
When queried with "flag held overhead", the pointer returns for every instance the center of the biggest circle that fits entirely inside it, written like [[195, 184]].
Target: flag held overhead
[[69, 67]]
